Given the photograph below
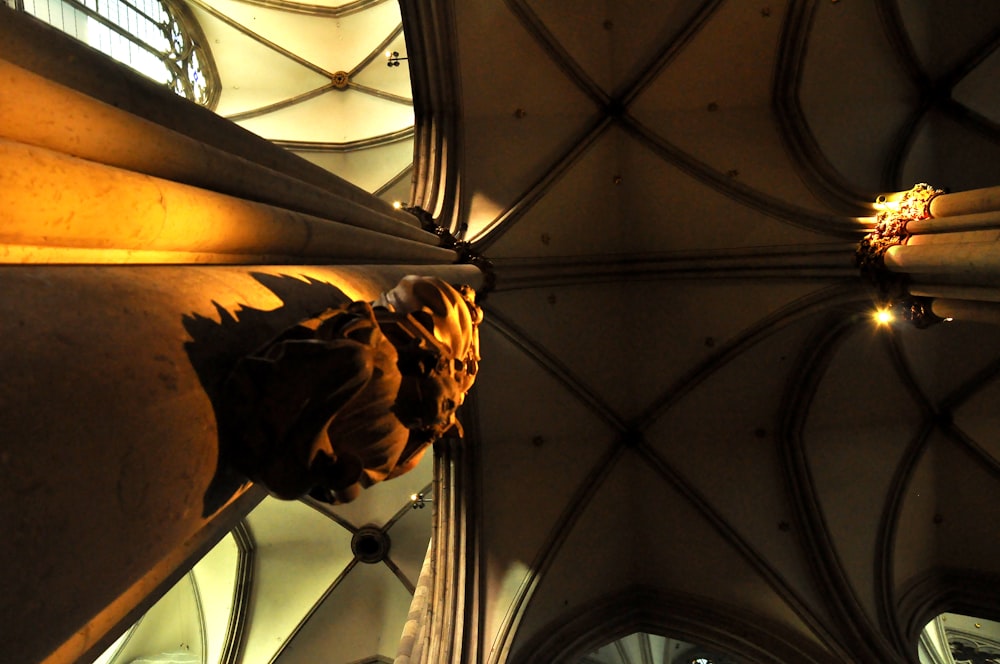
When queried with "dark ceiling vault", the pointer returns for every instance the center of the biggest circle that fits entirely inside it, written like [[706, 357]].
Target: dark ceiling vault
[[681, 361]]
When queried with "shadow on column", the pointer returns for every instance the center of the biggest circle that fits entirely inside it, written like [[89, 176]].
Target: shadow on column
[[217, 347]]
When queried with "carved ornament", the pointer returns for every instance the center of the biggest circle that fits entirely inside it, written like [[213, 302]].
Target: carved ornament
[[893, 213], [354, 395], [891, 219]]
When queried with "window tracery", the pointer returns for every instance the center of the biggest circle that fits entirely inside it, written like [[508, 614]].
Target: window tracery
[[157, 38]]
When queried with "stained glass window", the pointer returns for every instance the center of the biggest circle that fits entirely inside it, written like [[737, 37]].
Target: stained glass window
[[154, 37]]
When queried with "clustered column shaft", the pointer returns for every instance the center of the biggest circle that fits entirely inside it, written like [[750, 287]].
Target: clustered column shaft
[[934, 255]]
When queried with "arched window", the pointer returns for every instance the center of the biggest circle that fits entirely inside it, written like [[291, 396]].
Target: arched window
[[157, 38]]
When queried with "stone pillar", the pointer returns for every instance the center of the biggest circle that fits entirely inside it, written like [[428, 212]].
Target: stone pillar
[[414, 637], [146, 244], [109, 453], [933, 255], [443, 615], [41, 113]]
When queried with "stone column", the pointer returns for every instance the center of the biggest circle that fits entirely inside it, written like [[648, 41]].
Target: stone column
[[414, 637], [146, 244], [110, 451], [935, 256], [443, 616]]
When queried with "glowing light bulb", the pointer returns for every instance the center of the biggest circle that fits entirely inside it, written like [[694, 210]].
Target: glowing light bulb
[[883, 316], [397, 204]]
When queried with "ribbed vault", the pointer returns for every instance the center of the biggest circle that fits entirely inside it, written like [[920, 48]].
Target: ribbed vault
[[295, 582], [705, 409], [312, 77]]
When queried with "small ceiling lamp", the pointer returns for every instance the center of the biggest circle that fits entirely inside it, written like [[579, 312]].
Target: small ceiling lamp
[[392, 58], [418, 501], [883, 316]]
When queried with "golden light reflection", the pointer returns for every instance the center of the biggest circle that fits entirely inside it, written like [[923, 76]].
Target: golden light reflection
[[883, 316]]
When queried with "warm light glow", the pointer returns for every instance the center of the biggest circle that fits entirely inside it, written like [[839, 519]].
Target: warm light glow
[[413, 496], [883, 316], [949, 319], [397, 204]]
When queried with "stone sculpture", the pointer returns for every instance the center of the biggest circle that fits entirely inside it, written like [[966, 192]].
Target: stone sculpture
[[354, 395]]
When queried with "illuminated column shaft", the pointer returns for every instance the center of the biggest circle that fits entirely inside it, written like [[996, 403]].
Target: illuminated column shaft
[[966, 202], [59, 208], [109, 442], [110, 372], [935, 253], [413, 640], [45, 114], [984, 312], [122, 115], [954, 235], [964, 262]]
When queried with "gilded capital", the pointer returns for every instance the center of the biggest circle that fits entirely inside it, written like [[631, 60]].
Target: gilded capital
[[892, 213]]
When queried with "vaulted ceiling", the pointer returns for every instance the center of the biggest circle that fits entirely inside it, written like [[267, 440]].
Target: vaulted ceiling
[[708, 423], [312, 77]]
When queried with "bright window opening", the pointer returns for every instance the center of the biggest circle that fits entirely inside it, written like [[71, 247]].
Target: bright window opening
[[952, 638], [152, 37]]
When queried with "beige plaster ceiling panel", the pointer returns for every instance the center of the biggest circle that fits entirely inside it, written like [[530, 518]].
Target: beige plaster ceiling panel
[[914, 547], [943, 358], [336, 117], [379, 504], [729, 61], [300, 552], [855, 438], [942, 32], [966, 509], [330, 43], [586, 30], [376, 75], [610, 373], [674, 210], [506, 152], [679, 323], [854, 94], [637, 529], [976, 414], [273, 76], [362, 618], [956, 157], [722, 436], [313, 78], [368, 168], [740, 143], [553, 430], [580, 214], [977, 89], [409, 537]]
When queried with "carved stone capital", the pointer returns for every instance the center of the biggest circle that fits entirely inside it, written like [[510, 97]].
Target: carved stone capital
[[892, 215], [354, 395], [913, 204]]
